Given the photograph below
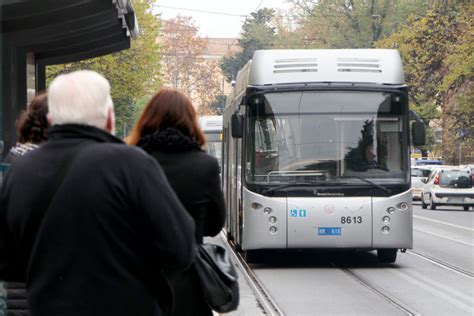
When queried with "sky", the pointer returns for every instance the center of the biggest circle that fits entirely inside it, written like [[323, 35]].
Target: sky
[[227, 23]]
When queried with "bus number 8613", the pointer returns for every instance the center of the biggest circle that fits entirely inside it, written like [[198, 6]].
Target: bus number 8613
[[351, 220]]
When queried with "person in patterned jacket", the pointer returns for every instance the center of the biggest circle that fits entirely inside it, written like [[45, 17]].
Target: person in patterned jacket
[[32, 126]]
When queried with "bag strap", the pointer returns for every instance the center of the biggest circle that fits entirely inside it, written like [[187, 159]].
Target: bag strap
[[60, 175], [23, 259]]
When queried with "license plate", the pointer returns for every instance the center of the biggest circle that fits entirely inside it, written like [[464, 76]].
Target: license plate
[[329, 231], [455, 200]]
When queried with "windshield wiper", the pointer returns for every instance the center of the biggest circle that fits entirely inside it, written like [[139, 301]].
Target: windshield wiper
[[375, 185], [287, 185]]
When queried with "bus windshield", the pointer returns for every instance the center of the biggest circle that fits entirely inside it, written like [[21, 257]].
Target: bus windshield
[[327, 137]]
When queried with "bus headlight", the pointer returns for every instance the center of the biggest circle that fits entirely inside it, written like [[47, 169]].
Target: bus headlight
[[267, 210], [391, 210], [273, 230], [385, 229], [272, 219], [403, 206], [386, 219]]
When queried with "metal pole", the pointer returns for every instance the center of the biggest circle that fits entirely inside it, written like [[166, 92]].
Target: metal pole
[[460, 153]]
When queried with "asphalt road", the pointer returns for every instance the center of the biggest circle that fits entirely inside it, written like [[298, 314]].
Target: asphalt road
[[435, 278]]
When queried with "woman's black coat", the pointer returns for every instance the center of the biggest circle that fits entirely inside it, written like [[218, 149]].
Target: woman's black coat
[[194, 176]]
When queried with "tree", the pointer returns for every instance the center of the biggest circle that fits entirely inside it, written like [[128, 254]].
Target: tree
[[352, 23], [288, 34], [183, 65], [257, 33], [437, 51], [218, 104], [133, 73], [457, 82]]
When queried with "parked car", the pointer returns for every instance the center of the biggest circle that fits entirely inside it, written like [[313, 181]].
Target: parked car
[[417, 175], [448, 186]]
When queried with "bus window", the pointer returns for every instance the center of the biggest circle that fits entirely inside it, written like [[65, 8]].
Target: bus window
[[266, 152]]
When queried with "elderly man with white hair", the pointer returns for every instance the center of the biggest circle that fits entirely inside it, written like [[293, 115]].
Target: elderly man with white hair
[[87, 221]]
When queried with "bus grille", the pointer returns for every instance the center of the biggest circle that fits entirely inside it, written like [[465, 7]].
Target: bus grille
[[358, 65], [295, 65]]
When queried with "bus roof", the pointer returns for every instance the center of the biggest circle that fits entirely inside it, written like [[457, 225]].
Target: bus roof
[[286, 66]]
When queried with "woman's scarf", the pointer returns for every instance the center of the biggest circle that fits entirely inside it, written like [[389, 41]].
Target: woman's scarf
[[170, 140]]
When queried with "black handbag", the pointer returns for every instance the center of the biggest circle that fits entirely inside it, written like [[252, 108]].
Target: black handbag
[[218, 278]]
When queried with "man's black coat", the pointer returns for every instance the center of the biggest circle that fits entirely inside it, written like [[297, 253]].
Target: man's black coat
[[111, 225]]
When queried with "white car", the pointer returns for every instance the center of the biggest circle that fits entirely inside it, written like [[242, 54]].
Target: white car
[[448, 186], [417, 175], [471, 166]]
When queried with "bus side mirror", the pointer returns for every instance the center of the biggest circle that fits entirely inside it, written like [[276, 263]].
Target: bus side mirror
[[418, 133], [237, 125]]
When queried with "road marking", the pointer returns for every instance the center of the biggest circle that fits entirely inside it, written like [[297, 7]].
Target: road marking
[[441, 236], [444, 223]]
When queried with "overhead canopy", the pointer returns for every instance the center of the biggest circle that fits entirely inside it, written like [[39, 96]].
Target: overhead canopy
[[66, 31], [37, 33]]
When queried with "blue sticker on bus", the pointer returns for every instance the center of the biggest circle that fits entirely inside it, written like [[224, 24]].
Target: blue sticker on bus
[[329, 231], [297, 212]]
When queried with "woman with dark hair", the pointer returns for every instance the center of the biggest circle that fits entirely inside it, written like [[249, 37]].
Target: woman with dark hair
[[169, 131], [32, 126]]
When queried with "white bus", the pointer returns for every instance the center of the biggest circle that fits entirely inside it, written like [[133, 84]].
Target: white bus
[[211, 125], [316, 152]]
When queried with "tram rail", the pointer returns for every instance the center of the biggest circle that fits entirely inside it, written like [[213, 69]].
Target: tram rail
[[267, 303], [442, 264], [380, 292], [270, 306]]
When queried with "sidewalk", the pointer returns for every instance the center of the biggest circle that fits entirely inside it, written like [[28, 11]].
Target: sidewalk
[[248, 305]]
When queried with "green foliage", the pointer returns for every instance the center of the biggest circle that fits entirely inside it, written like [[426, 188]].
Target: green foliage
[[460, 52], [461, 116], [133, 73], [353, 23], [257, 33], [437, 51], [456, 87]]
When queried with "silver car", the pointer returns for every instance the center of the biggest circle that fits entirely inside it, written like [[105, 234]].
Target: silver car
[[448, 186], [418, 174]]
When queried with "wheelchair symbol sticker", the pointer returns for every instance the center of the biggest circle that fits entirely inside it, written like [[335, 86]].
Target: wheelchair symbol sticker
[[297, 213]]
